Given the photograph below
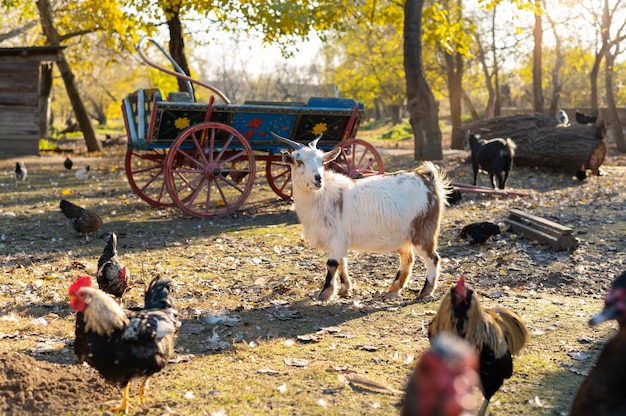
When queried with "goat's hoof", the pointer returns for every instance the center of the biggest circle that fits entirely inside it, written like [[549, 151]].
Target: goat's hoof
[[427, 290], [345, 293], [392, 295], [325, 294]]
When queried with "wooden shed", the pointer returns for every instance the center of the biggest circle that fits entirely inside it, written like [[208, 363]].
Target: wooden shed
[[19, 98]]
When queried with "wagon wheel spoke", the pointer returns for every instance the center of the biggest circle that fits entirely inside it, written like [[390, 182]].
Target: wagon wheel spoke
[[278, 176], [358, 159], [145, 174], [224, 147], [210, 170], [190, 199]]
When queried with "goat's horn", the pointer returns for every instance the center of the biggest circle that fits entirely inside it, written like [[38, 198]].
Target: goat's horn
[[295, 145], [313, 144]]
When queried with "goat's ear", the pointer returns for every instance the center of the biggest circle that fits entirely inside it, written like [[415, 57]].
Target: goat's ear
[[332, 154], [287, 158]]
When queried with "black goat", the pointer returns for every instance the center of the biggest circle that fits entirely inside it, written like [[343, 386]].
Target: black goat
[[494, 156], [582, 118]]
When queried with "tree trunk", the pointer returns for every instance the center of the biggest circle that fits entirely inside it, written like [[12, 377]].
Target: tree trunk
[[482, 55], [470, 105], [45, 86], [395, 111], [556, 71], [615, 127], [496, 66], [542, 144], [421, 105], [537, 88], [454, 71], [177, 43], [595, 69], [53, 39]]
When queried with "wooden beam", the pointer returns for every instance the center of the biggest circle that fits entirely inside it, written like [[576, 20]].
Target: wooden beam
[[557, 236]]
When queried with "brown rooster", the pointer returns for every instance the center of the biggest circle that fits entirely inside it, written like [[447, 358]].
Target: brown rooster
[[123, 344], [84, 221], [497, 333], [443, 381], [112, 273], [602, 392]]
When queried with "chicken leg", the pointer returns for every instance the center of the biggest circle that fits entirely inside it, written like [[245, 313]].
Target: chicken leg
[[143, 391], [124, 405]]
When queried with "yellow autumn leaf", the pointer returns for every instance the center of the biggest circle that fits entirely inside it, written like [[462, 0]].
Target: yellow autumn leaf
[[66, 192]]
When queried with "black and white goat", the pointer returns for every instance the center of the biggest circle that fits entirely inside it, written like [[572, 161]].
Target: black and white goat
[[494, 156], [562, 118], [382, 213]]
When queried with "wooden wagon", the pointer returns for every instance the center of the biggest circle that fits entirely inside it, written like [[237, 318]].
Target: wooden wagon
[[202, 157]]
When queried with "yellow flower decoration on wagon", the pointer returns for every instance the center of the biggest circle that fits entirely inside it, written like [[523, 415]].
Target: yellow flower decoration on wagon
[[182, 123], [319, 128]]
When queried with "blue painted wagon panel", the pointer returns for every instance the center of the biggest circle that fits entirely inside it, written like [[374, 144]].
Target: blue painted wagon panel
[[256, 125], [171, 119], [254, 120]]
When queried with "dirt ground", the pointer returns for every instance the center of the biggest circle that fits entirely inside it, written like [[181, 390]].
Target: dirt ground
[[37, 370]]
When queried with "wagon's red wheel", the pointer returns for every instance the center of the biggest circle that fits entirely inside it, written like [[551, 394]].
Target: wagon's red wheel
[[278, 176], [145, 173], [357, 159], [209, 170]]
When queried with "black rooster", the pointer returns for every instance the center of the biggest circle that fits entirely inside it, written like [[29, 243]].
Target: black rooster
[[581, 173], [497, 333], [444, 379], [20, 173], [479, 232], [453, 195], [112, 273], [83, 220], [123, 344], [68, 163], [602, 392]]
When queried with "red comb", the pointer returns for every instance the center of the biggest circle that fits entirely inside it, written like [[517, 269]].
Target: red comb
[[82, 281], [461, 282]]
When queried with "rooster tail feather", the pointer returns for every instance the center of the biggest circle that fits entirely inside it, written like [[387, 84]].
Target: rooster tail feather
[[110, 249], [157, 295], [513, 329], [70, 210]]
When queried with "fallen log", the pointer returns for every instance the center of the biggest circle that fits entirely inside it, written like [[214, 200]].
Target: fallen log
[[541, 142]]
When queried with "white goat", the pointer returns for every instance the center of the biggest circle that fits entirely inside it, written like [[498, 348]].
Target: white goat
[[392, 212]]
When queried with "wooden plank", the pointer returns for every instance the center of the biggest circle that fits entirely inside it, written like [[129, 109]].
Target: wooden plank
[[557, 243], [533, 234], [545, 222], [545, 231]]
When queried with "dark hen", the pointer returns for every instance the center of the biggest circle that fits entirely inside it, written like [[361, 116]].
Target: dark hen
[[581, 173], [112, 273], [83, 220], [68, 163], [444, 379], [20, 173], [602, 392], [497, 333], [122, 344], [479, 232]]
